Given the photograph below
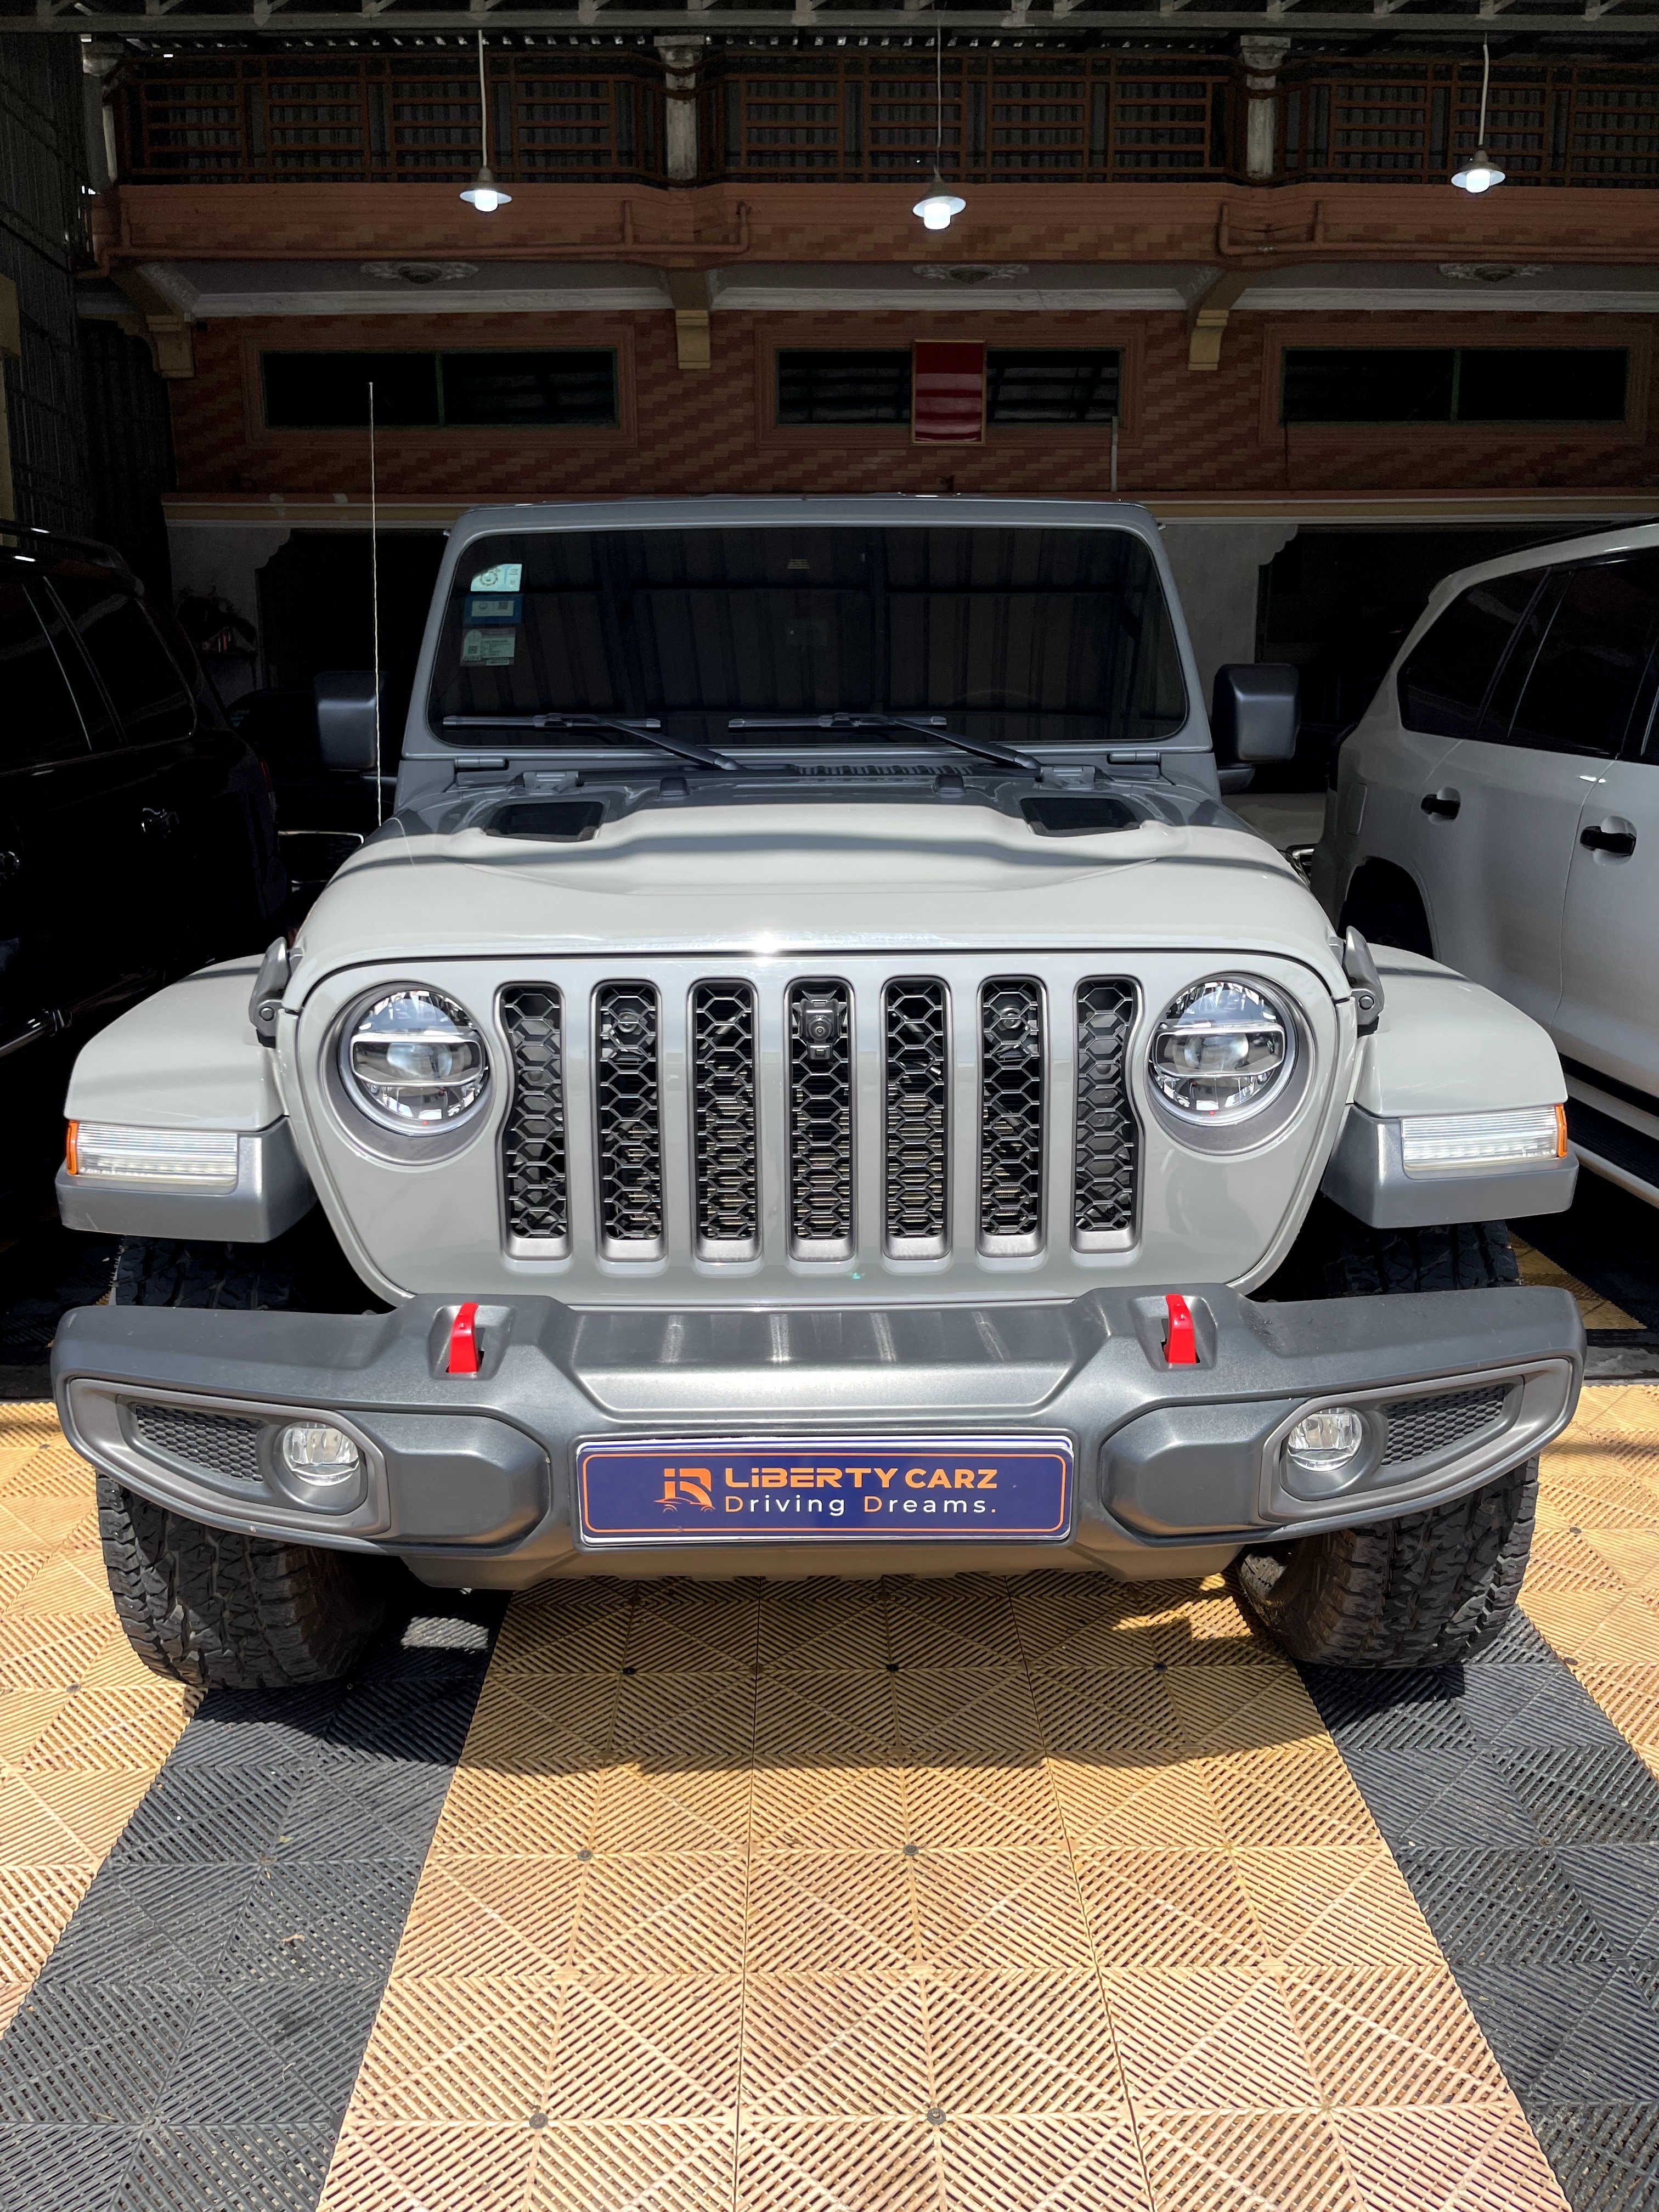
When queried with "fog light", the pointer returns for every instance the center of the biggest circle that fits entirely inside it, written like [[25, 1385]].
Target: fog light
[[319, 1452], [1325, 1443]]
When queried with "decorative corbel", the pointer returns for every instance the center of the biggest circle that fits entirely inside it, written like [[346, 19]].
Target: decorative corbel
[[689, 290]]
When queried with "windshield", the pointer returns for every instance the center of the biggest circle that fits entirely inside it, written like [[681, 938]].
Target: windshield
[[1027, 636]]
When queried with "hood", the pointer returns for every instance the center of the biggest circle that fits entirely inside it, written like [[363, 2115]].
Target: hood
[[794, 879]]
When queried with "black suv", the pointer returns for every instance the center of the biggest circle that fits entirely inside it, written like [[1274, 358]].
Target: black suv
[[138, 831]]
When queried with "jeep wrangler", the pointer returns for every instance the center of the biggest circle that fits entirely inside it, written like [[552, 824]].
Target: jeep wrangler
[[811, 1078]]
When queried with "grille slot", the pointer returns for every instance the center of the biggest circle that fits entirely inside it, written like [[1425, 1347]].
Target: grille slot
[[916, 1065], [627, 1114], [820, 1025], [1106, 1150], [225, 1445], [723, 1124], [1011, 1115], [1424, 1425], [535, 1170]]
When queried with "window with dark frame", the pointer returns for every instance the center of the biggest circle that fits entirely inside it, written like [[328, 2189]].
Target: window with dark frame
[[1034, 384], [1053, 384], [1495, 385], [566, 387], [821, 385]]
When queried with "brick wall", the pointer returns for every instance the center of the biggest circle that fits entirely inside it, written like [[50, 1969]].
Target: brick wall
[[1183, 433]]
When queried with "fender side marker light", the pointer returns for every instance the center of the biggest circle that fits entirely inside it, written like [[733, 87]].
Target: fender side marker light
[[464, 1339]]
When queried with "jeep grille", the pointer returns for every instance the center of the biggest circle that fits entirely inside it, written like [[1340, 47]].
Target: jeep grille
[[865, 1095]]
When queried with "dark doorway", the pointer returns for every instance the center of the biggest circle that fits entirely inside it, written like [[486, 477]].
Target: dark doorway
[[1338, 602], [316, 612]]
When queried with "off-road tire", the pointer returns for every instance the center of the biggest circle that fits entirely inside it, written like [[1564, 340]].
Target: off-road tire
[[201, 1604], [236, 1612], [1431, 1587]]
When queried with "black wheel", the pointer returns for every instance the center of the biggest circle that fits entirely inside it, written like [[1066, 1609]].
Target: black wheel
[[1429, 1587], [200, 1603]]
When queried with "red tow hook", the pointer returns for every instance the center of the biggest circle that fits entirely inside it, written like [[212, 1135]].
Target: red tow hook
[[1181, 1343], [464, 1339]]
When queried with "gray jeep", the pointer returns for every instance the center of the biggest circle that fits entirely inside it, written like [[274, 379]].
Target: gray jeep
[[811, 1078]]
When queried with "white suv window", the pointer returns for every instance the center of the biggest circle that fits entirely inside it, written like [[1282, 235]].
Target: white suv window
[[1587, 671], [1444, 679]]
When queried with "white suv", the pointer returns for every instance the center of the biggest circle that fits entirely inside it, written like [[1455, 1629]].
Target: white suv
[[1498, 807]]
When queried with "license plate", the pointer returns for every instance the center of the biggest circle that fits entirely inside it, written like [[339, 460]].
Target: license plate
[[824, 1489]]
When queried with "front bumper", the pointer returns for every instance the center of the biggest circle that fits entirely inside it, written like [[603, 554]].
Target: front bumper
[[471, 1477]]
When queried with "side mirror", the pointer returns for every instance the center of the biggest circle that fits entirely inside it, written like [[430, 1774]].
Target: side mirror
[[1254, 715], [345, 719]]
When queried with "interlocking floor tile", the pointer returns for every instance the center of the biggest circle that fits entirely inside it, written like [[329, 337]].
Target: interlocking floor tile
[[263, 2169], [835, 2165], [453, 2047], [1006, 2044], [966, 1622], [1606, 2156], [808, 1626], [517, 1815], [1219, 2040], [565, 1628], [1246, 2162], [678, 1915], [1169, 1910], [647, 2047], [1391, 2035], [1452, 2159], [397, 2167], [830, 1913], [684, 2166], [852, 2047], [992, 1911], [1340, 1905], [1007, 1805], [57, 2167], [834, 1806], [1042, 2163]]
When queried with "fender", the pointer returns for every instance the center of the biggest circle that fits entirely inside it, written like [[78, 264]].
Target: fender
[[1443, 1046], [188, 1059]]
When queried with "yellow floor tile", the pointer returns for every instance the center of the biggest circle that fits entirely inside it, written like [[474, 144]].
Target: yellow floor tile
[[1594, 1312], [959, 1897]]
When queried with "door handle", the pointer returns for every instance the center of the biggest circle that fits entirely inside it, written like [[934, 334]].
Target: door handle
[[1442, 803], [157, 820], [1614, 836]]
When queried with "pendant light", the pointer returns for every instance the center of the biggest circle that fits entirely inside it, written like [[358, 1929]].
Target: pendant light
[[1480, 172], [483, 193], [939, 203]]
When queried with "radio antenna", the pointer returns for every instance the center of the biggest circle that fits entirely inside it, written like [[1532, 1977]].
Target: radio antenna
[[374, 602]]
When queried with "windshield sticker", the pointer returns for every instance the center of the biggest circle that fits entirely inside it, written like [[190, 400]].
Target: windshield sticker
[[488, 646], [506, 576], [510, 610]]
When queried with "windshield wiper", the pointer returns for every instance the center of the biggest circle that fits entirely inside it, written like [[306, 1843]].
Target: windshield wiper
[[650, 730], [927, 726]]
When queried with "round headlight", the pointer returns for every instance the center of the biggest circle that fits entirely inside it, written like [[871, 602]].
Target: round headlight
[[1221, 1051], [417, 1060]]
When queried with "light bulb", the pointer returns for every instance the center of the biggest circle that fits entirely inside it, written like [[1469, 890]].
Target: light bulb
[[1478, 174], [485, 194], [938, 205]]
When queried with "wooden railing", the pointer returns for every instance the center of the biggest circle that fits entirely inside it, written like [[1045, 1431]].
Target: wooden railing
[[1557, 122], [388, 117], [1042, 115], [1007, 118]]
